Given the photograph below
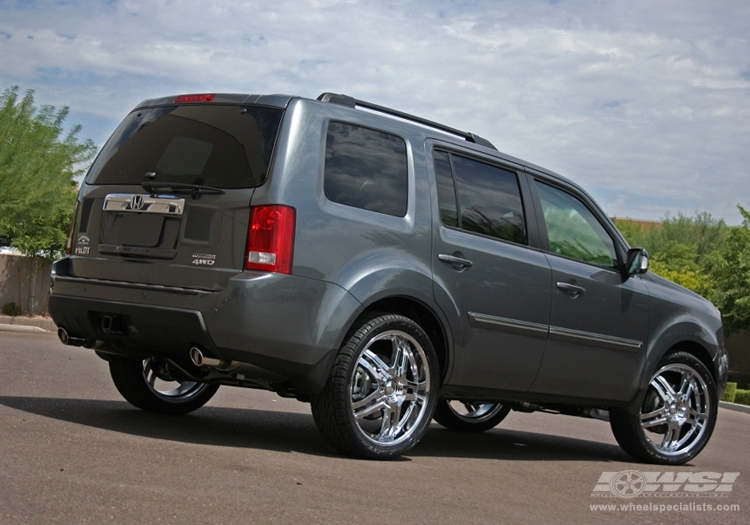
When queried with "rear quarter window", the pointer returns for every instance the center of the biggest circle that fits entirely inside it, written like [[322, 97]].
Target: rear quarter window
[[365, 168]]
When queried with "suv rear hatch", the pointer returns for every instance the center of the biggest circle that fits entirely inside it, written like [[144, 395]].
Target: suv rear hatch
[[167, 201]]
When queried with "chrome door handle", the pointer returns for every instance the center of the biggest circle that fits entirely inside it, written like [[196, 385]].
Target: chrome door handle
[[459, 263], [573, 290]]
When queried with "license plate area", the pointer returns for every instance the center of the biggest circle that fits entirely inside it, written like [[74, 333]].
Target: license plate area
[[140, 230], [141, 234]]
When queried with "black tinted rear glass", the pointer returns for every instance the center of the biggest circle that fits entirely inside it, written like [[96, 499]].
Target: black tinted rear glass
[[214, 145]]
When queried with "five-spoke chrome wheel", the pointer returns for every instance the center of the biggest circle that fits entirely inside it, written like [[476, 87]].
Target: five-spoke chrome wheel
[[677, 414], [380, 394]]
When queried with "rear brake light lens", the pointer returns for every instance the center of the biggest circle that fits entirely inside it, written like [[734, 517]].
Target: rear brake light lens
[[205, 97], [69, 245], [270, 244]]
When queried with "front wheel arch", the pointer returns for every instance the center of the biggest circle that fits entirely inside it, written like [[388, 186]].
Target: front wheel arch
[[699, 352]]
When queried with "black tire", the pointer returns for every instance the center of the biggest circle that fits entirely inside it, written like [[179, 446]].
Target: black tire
[[467, 416], [149, 385], [673, 420], [381, 391]]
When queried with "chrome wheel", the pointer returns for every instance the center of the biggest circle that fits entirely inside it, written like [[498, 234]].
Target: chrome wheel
[[469, 416], [156, 386], [474, 412], [389, 388], [381, 390], [675, 413], [159, 379], [674, 418]]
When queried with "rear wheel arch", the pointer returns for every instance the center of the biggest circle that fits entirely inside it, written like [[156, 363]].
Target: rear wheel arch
[[417, 311]]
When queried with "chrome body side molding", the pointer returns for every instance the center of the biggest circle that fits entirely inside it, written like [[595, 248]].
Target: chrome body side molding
[[555, 332]]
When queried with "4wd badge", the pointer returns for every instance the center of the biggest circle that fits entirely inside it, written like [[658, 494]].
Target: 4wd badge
[[204, 259]]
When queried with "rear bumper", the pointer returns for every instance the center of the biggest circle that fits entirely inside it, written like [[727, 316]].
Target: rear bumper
[[288, 325], [167, 332]]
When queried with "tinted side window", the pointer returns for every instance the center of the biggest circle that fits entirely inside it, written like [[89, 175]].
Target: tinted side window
[[573, 230], [366, 169], [488, 199]]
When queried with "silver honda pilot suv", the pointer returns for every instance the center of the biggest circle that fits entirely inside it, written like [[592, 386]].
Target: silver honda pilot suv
[[385, 268]]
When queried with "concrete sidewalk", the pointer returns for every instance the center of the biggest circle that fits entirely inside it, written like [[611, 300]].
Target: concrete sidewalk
[[26, 324]]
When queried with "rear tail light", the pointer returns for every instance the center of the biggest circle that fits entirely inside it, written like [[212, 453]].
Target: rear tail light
[[270, 243], [71, 233]]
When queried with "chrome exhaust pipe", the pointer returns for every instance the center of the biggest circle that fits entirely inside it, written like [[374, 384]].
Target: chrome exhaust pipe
[[67, 339], [237, 368], [199, 360]]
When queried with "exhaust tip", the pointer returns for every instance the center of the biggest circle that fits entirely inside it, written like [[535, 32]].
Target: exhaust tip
[[196, 356], [62, 333], [67, 339], [199, 360]]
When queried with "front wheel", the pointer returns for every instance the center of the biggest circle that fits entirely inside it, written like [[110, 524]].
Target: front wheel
[[469, 416], [155, 386], [676, 416], [382, 389]]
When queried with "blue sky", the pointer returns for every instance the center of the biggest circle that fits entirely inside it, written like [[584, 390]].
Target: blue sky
[[646, 103]]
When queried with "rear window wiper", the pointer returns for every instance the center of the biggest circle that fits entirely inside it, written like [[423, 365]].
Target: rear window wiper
[[195, 190]]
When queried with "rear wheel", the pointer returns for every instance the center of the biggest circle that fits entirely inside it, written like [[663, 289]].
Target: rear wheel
[[381, 391], [469, 416], [676, 416], [154, 385]]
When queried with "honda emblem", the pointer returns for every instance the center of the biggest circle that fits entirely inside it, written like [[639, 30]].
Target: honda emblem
[[136, 202]]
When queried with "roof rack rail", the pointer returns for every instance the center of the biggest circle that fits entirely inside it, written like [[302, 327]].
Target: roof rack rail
[[351, 102]]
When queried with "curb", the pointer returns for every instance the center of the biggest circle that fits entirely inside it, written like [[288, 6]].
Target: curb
[[734, 406], [17, 324], [20, 328]]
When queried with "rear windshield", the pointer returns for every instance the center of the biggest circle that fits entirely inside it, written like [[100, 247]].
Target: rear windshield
[[213, 145]]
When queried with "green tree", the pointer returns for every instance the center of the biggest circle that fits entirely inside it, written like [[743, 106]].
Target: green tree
[[703, 233], [38, 163], [678, 263], [679, 246], [729, 270]]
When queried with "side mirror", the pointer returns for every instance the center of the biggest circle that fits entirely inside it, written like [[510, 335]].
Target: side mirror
[[637, 263]]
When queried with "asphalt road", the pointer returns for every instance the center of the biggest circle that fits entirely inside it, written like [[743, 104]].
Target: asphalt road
[[72, 451]]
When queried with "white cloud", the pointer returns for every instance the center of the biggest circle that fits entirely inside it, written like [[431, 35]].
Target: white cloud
[[646, 104]]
